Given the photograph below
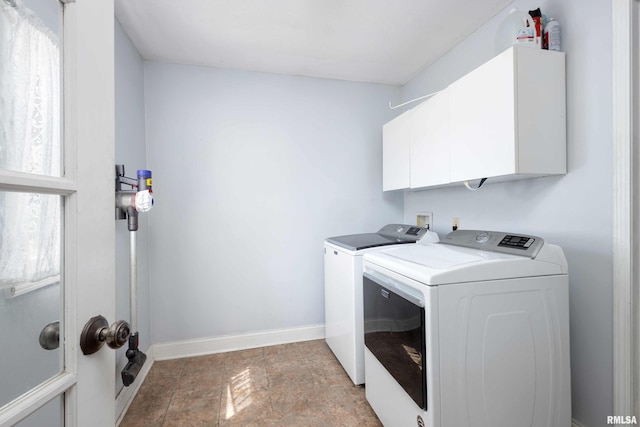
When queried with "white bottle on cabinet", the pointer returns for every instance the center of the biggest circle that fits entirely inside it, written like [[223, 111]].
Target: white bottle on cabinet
[[552, 34], [517, 29]]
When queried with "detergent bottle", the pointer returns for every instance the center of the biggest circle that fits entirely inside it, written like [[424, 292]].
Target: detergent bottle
[[517, 29]]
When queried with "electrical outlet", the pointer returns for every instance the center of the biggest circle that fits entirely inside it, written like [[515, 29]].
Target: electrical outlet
[[425, 219], [456, 223]]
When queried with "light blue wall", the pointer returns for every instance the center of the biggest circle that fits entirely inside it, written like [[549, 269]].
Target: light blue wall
[[130, 151], [252, 172], [573, 211]]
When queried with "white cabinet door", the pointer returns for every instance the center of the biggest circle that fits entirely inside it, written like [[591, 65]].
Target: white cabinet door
[[482, 121], [396, 152], [541, 112], [430, 142], [508, 117]]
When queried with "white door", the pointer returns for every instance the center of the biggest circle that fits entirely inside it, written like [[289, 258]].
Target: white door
[[57, 240]]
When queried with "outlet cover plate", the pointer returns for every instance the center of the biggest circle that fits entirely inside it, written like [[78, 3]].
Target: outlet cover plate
[[425, 219]]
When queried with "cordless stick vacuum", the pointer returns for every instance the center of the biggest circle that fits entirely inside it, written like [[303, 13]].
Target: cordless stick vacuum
[[128, 204]]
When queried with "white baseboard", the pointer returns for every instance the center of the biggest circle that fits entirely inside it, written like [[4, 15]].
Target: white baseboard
[[126, 395], [199, 347]]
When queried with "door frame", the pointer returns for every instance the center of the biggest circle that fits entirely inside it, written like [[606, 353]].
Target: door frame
[[90, 99], [626, 238]]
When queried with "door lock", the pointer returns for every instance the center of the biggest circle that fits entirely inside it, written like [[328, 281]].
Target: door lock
[[97, 332]]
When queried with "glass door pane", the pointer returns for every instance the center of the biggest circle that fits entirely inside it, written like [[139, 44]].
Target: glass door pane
[[31, 303], [30, 86], [50, 415]]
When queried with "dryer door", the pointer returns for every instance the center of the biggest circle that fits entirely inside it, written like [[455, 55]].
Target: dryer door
[[394, 332]]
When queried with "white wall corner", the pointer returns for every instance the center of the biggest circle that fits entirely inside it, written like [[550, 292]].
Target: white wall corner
[[202, 346]]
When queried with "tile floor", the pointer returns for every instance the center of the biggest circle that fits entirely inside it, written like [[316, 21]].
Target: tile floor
[[300, 384]]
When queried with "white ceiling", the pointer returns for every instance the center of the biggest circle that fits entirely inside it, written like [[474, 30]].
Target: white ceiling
[[381, 41]]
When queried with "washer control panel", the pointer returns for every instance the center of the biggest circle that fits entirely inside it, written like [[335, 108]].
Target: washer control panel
[[517, 242], [402, 232], [495, 241]]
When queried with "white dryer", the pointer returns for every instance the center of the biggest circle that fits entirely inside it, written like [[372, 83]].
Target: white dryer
[[472, 331], [343, 290]]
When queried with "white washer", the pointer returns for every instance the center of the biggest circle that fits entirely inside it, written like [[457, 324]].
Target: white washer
[[343, 290], [469, 332]]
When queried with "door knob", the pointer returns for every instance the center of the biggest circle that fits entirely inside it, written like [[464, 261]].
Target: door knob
[[97, 332], [50, 336]]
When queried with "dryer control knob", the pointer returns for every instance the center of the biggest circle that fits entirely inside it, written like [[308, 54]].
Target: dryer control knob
[[482, 237], [399, 229]]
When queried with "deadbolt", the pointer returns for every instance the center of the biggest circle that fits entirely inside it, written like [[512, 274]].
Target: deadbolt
[[97, 332]]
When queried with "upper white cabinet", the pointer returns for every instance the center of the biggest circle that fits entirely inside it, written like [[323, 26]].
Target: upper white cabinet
[[396, 153], [504, 120], [429, 142], [508, 117]]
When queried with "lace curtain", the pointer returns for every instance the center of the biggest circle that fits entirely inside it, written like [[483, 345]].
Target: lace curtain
[[30, 118]]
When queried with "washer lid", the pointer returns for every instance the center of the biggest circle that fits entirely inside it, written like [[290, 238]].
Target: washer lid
[[356, 242], [439, 264], [390, 234]]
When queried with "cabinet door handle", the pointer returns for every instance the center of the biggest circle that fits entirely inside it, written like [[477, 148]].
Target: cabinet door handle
[[335, 252]]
